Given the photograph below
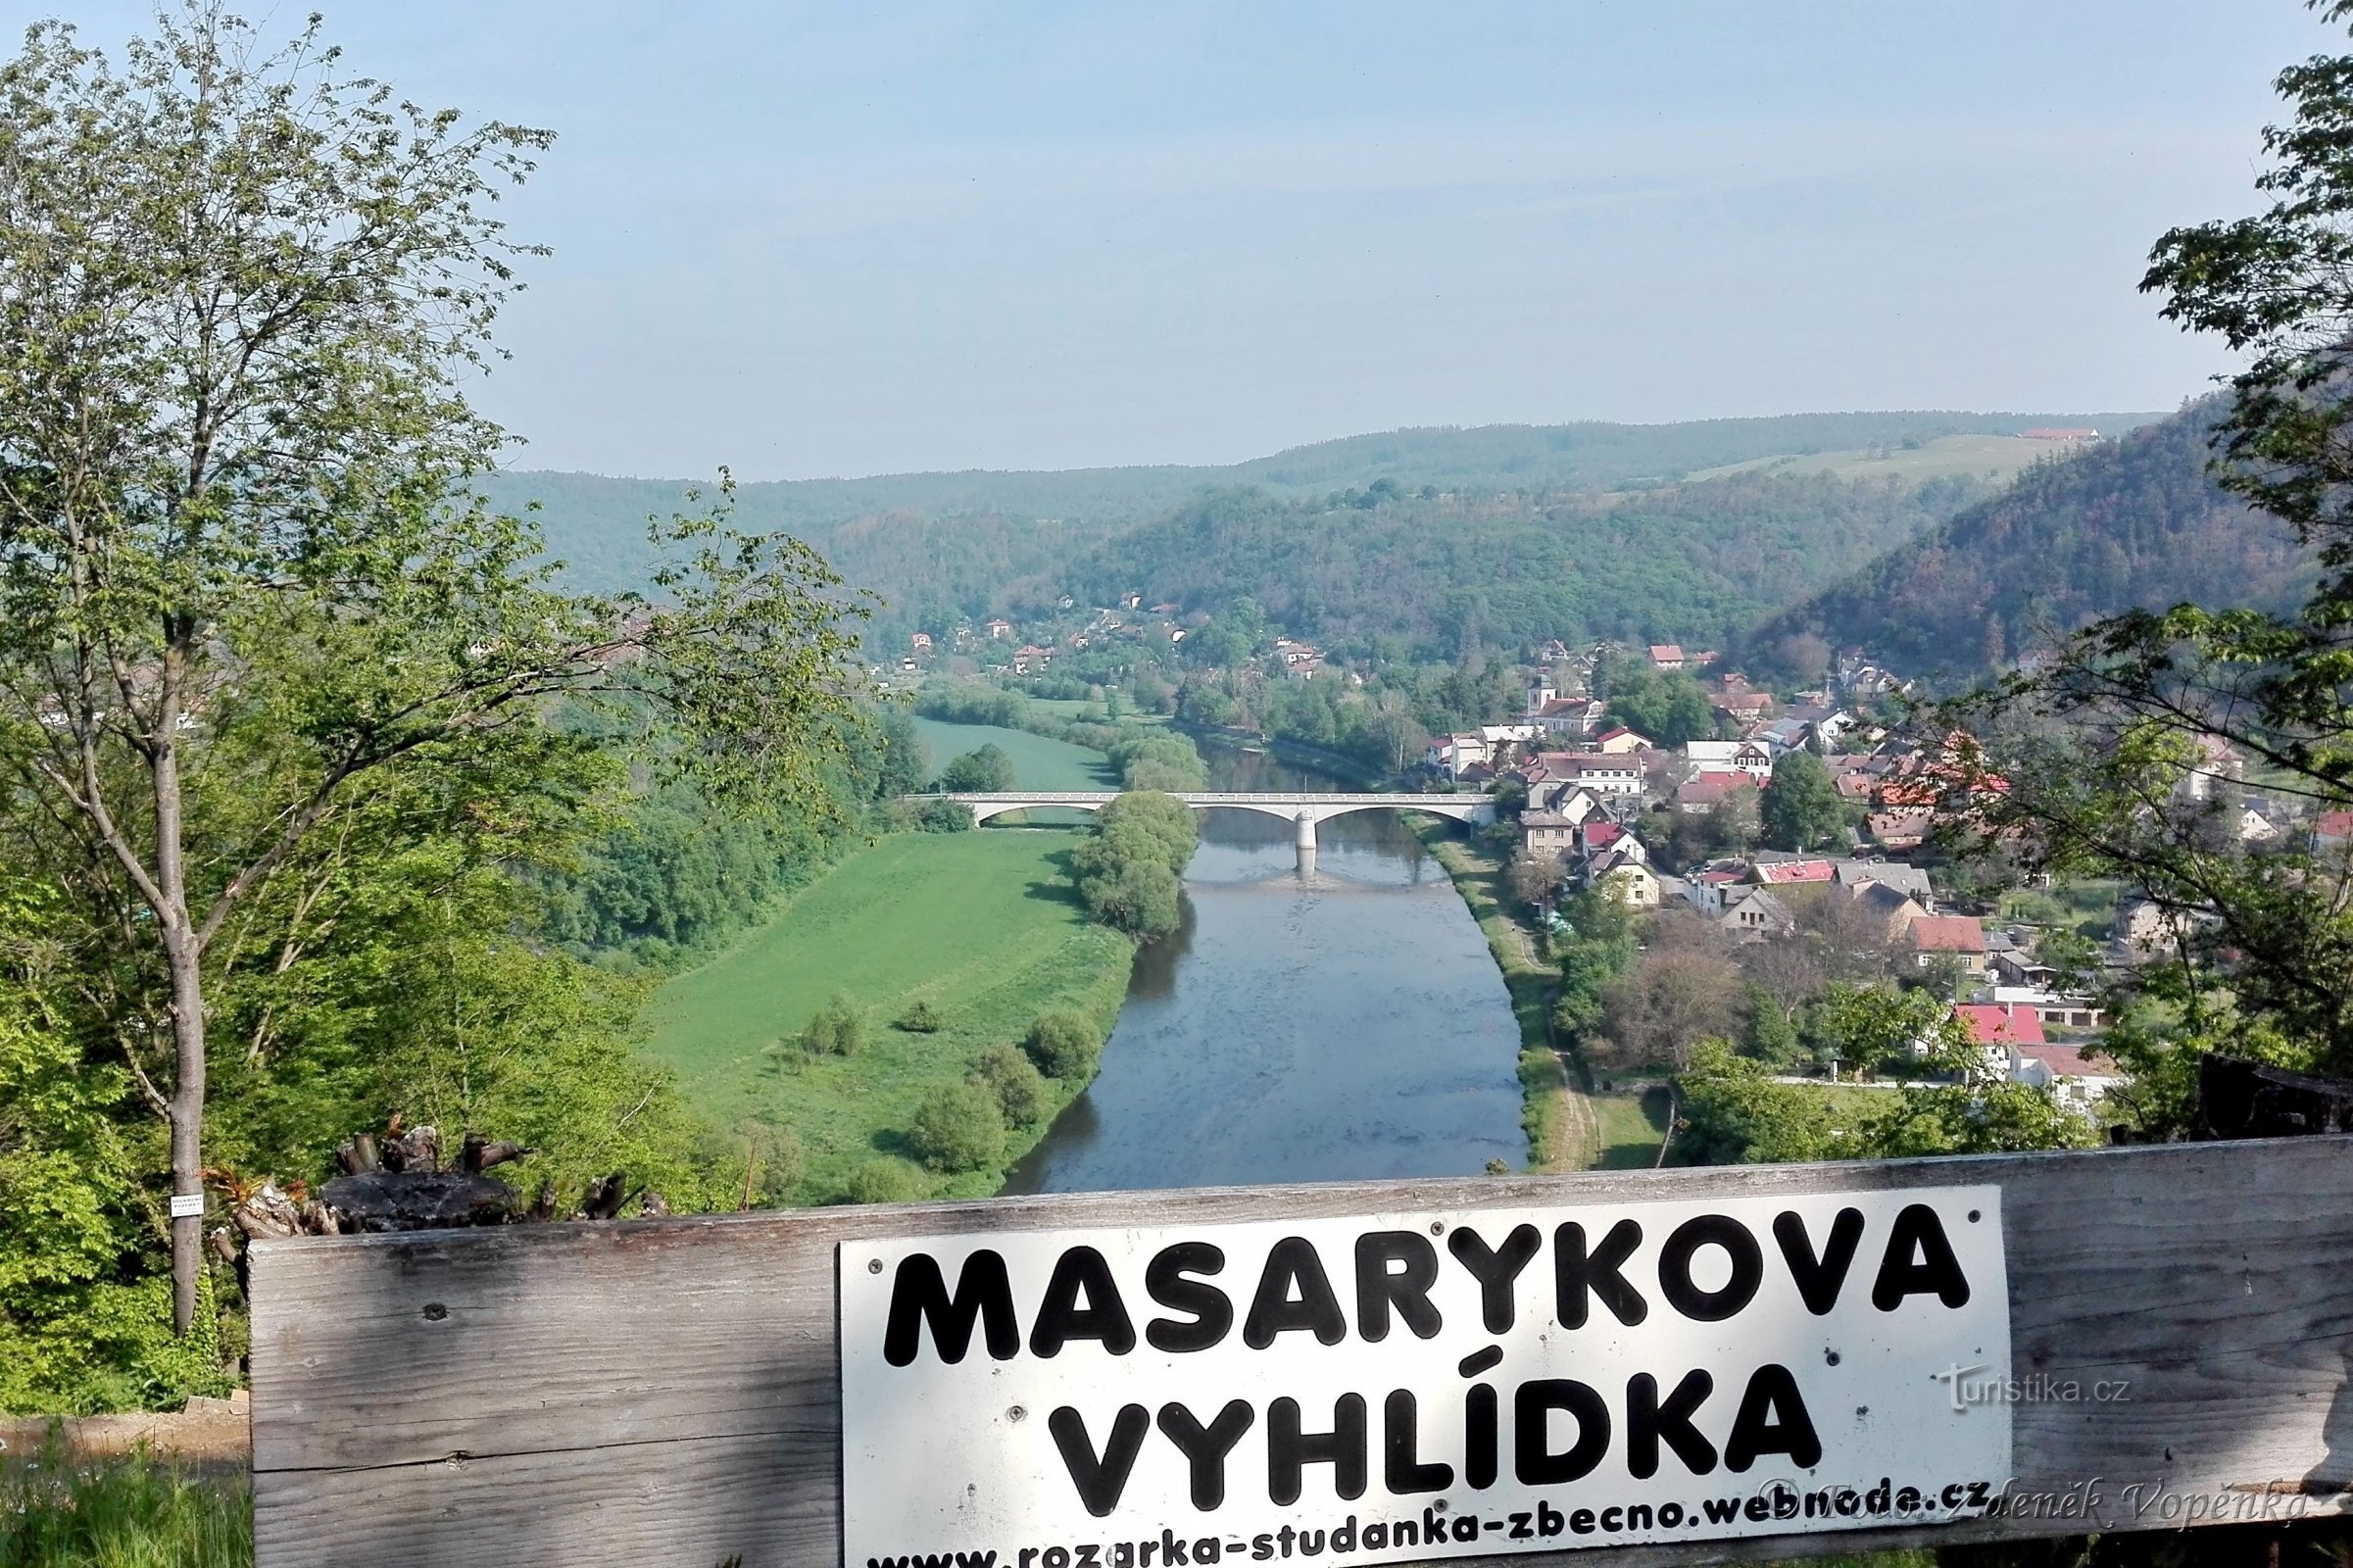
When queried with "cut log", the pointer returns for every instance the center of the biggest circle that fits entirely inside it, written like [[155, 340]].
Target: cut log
[[416, 1200]]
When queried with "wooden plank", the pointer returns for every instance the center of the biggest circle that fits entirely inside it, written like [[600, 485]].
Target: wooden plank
[[666, 1391]]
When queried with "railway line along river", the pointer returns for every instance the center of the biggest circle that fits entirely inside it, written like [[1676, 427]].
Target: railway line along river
[[1343, 1023]]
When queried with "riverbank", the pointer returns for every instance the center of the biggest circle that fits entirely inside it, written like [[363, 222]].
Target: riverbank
[[1569, 1128], [982, 926]]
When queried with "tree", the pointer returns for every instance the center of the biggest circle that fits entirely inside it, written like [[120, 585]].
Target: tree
[[1667, 706], [1021, 1093], [1064, 1043], [837, 1029], [241, 571], [2091, 762], [958, 1127], [985, 771], [1801, 809]]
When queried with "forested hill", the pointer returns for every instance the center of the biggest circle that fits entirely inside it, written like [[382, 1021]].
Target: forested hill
[[1009, 526], [1435, 571], [2133, 521]]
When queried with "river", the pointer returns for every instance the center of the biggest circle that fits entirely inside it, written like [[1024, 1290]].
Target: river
[[1345, 1023]]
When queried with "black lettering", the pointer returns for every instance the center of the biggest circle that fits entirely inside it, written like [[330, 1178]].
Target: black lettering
[[1819, 1279], [1100, 1482], [1479, 1436], [1081, 1271], [1495, 1269], [1167, 1280], [1380, 1284], [1918, 1231], [1292, 1263], [1720, 1510], [1288, 1450], [1520, 1530], [1088, 1556], [1675, 1268], [919, 1296], [1547, 1519], [1172, 1550], [1638, 1516], [1575, 1273], [1582, 1521], [1205, 1447], [1648, 1421], [1401, 1468], [1532, 1406], [1772, 1419]]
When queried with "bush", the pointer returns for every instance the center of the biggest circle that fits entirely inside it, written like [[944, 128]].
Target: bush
[[884, 1180], [1064, 1043], [838, 1030], [1022, 1094], [920, 1018], [941, 817], [958, 1127]]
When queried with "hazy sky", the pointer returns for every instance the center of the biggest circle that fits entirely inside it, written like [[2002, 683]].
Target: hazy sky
[[834, 239]]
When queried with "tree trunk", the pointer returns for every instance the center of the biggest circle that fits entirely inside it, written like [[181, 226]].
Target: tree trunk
[[184, 950], [187, 1127]]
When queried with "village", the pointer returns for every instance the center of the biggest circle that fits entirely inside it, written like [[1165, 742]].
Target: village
[[1675, 833]]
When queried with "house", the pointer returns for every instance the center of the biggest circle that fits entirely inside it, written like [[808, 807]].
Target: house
[[1608, 777], [1704, 792], [1666, 656], [1909, 880], [1450, 755], [1621, 741], [1131, 600], [1548, 835], [2055, 1011], [1567, 717], [2076, 1078], [1552, 652], [999, 630], [1997, 1031], [1907, 827], [920, 642], [2332, 830], [1598, 833], [1711, 886], [1625, 879], [1745, 707], [1891, 908], [1730, 756], [2013, 967], [1957, 936], [1754, 913]]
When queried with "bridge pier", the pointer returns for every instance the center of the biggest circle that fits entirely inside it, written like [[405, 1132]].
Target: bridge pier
[[1305, 843]]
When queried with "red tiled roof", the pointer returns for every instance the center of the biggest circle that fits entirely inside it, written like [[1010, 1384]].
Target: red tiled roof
[[1998, 1024], [1785, 873], [2068, 1061], [1947, 933], [1601, 835], [2334, 825]]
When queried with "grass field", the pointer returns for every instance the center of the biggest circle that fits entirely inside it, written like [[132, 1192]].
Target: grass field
[[1038, 763], [982, 925], [1984, 457], [1630, 1126], [120, 1513]]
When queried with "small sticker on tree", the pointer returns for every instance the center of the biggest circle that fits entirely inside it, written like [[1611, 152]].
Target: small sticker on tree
[[187, 1205]]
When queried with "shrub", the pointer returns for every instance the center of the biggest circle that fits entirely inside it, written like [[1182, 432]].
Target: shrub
[[941, 816], [1064, 1043], [958, 1127], [920, 1018], [1022, 1094], [884, 1180], [981, 771], [838, 1030]]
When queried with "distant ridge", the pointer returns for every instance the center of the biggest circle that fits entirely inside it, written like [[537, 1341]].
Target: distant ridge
[[1034, 519]]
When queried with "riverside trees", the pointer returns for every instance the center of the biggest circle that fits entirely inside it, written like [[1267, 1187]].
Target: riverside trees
[[259, 648]]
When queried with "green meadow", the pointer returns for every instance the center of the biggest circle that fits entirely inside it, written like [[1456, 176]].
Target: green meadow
[[982, 925], [1038, 763]]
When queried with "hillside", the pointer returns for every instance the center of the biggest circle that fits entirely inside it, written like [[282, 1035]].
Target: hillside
[[1438, 572], [961, 542], [2133, 522]]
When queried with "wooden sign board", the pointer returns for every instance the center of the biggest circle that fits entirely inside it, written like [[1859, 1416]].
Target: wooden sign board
[[2164, 1334]]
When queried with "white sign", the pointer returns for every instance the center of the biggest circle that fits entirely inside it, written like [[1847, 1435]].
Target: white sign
[[1408, 1385], [187, 1205]]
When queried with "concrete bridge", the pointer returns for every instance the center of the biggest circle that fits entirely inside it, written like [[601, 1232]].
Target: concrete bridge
[[1304, 811]]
